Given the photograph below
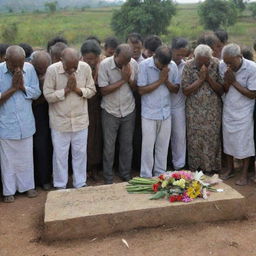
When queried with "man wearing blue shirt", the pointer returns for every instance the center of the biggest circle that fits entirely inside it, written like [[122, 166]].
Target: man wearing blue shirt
[[18, 87], [157, 79]]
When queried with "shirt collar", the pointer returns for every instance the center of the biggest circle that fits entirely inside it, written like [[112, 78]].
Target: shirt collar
[[152, 63], [6, 70], [244, 65], [62, 71], [112, 62]]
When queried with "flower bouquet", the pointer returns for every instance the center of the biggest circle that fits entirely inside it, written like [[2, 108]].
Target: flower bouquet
[[177, 186]]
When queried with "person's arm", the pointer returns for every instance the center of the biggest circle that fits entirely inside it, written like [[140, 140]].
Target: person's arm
[[90, 90], [172, 87], [243, 90], [153, 86], [50, 93], [134, 76], [190, 88], [16, 79], [173, 82], [31, 89], [193, 87], [250, 91], [104, 83], [112, 87], [7, 94], [218, 88]]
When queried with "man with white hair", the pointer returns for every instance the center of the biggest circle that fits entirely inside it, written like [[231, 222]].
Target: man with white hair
[[240, 92], [67, 86], [19, 86], [202, 84]]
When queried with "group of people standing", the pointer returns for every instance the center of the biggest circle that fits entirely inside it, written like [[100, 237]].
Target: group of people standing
[[141, 103]]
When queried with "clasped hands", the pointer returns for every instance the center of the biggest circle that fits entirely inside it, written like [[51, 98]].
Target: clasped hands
[[72, 85], [17, 80]]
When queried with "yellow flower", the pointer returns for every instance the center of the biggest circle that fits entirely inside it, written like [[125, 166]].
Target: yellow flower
[[181, 183], [194, 190]]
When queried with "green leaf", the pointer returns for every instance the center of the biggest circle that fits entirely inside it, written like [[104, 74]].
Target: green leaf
[[158, 195]]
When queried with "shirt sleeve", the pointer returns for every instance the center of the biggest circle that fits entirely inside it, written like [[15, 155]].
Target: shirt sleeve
[[32, 90], [251, 82], [103, 78], [174, 74], [90, 89], [135, 67], [50, 94], [142, 75], [185, 77]]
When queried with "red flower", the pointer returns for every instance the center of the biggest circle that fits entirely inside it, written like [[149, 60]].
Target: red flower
[[175, 198], [161, 177], [179, 198], [176, 176], [172, 199], [155, 187]]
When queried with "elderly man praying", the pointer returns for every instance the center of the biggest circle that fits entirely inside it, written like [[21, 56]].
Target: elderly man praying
[[18, 87], [68, 84], [240, 92]]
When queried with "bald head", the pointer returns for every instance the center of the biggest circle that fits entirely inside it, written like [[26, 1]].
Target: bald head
[[41, 60], [15, 57], [70, 59], [125, 50], [56, 51], [162, 56], [123, 55]]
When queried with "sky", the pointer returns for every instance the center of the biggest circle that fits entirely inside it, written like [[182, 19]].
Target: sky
[[189, 1]]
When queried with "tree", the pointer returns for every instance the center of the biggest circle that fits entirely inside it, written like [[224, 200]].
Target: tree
[[51, 6], [144, 17], [252, 8], [215, 14], [240, 4]]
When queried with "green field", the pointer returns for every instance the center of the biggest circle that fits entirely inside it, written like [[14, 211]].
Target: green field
[[37, 28]]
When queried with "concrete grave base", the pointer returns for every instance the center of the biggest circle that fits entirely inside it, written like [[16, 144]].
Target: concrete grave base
[[101, 210]]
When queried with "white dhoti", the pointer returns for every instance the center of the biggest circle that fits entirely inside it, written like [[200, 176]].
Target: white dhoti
[[61, 143], [155, 142], [178, 137], [17, 167], [238, 134], [237, 121]]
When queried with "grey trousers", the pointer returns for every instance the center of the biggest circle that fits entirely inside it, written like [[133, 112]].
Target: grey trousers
[[124, 128]]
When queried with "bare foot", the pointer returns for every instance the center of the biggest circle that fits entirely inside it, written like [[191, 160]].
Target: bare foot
[[253, 179], [242, 181]]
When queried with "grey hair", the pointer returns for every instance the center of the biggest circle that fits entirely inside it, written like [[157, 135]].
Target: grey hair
[[231, 50], [37, 54], [203, 50], [15, 50]]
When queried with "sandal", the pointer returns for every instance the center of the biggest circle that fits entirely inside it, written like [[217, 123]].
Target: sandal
[[31, 193], [8, 199], [226, 177]]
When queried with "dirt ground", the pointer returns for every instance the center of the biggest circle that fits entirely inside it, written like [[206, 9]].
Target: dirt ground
[[21, 225]]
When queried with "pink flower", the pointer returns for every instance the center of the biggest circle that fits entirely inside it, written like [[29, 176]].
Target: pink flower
[[186, 198]]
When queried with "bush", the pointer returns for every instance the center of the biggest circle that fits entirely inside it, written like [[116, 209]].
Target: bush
[[9, 33], [144, 17], [215, 14]]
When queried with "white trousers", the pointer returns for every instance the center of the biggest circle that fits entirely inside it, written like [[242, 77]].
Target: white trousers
[[178, 138], [155, 143], [17, 166], [61, 142]]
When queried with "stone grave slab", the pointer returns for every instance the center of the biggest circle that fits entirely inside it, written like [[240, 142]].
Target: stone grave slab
[[102, 210]]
